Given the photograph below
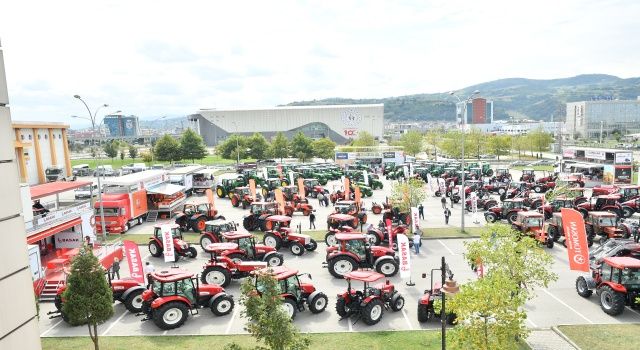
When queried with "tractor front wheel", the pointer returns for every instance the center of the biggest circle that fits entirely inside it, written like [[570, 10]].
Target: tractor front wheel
[[627, 212], [387, 267], [296, 249], [330, 239], [341, 265], [155, 249], [221, 192], [275, 260], [491, 217], [205, 241], [397, 302], [582, 287], [198, 225], [216, 275], [612, 302], [376, 210], [511, 218], [133, 302], [192, 252], [372, 312], [223, 305], [318, 303], [271, 240], [170, 315], [313, 245]]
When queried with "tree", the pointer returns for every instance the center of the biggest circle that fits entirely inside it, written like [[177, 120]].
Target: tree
[[279, 146], [324, 148], [122, 155], [167, 149], [147, 157], [412, 142], [88, 297], [258, 145], [499, 145], [540, 140], [518, 143], [477, 140], [133, 152], [233, 145], [364, 140], [111, 149], [266, 320], [301, 146], [432, 137], [192, 146], [408, 194], [451, 143]]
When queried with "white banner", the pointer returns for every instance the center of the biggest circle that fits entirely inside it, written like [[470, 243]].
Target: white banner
[[167, 242], [405, 256], [410, 169], [341, 182], [291, 178], [366, 177], [624, 158], [415, 219], [430, 181], [442, 186], [405, 171], [69, 239], [600, 155]]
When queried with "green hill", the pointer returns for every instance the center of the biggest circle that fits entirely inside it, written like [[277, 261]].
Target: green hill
[[513, 97]]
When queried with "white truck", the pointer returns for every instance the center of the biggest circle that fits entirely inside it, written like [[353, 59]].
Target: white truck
[[57, 173], [184, 177]]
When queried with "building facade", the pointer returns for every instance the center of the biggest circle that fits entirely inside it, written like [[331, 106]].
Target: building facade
[[339, 123], [38, 147], [18, 316], [479, 111], [120, 125], [588, 118]]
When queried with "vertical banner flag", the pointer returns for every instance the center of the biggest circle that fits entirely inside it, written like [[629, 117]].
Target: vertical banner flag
[[301, 188], [430, 181], [291, 178], [265, 173], [415, 219], [575, 239], [442, 186], [280, 200], [134, 260], [405, 257], [388, 222], [209, 194], [366, 177], [347, 190], [405, 171], [167, 242], [252, 188], [357, 194], [279, 168], [410, 169]]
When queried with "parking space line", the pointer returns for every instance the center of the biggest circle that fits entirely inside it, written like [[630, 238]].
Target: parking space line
[[113, 324], [632, 310], [233, 316], [567, 306], [50, 329], [350, 325], [532, 323], [165, 332], [447, 248], [406, 318]]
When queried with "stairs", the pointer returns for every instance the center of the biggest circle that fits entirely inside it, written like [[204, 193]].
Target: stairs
[[152, 216], [49, 291]]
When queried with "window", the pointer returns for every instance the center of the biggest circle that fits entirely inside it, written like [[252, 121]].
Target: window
[[59, 136], [46, 136], [29, 137], [606, 272]]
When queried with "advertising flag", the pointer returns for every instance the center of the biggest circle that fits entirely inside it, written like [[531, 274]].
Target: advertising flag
[[388, 223], [410, 169], [576, 239], [405, 257], [167, 242], [347, 190], [134, 260], [291, 178], [366, 177], [209, 194], [415, 219], [430, 181], [265, 173], [252, 188], [301, 188], [357, 194], [280, 199]]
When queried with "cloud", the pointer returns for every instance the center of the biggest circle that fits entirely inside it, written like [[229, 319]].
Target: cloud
[[165, 52]]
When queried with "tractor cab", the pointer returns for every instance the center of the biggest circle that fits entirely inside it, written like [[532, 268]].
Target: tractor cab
[[191, 209], [341, 222], [450, 172], [528, 220], [370, 302], [601, 202], [475, 173], [502, 172], [273, 183], [217, 227], [260, 208], [290, 193], [176, 233], [603, 223], [509, 204], [555, 205], [174, 282], [242, 191], [628, 193], [280, 223], [245, 242], [310, 183], [346, 207], [617, 284]]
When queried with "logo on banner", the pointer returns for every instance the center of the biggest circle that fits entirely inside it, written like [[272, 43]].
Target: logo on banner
[[134, 260], [415, 219], [388, 224], [350, 133], [576, 239], [405, 257], [167, 242]]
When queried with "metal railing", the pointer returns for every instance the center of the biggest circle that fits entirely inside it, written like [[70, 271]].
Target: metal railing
[[56, 215]]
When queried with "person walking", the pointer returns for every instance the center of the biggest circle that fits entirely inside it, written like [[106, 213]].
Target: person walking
[[447, 214], [417, 242], [421, 211], [320, 199], [115, 269], [451, 198], [148, 270], [443, 200], [312, 221]]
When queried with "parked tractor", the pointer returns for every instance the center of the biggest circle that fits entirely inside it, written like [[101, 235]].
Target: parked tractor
[[601, 203], [482, 203], [257, 215], [528, 175], [426, 310], [246, 249], [226, 186], [543, 186], [617, 283], [630, 207], [312, 187], [496, 187], [195, 216], [290, 193], [380, 235], [269, 185], [377, 208], [576, 180], [301, 206], [294, 292], [554, 227], [555, 205], [516, 189], [396, 216], [631, 226], [241, 196], [502, 175], [612, 248], [213, 231], [624, 193], [531, 223], [602, 223], [222, 267], [509, 211], [352, 252], [350, 208], [174, 294], [180, 247], [281, 235]]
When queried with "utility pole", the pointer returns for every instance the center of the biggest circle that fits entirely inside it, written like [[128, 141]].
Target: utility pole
[[601, 127]]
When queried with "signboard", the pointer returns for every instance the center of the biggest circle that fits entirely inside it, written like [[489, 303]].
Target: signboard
[[167, 242], [388, 155], [569, 153], [351, 155], [591, 154], [265, 173], [58, 216], [188, 181], [624, 158], [608, 174], [342, 156], [209, 194], [430, 181], [575, 239], [71, 238], [405, 257], [134, 260], [622, 174], [415, 219], [357, 194]]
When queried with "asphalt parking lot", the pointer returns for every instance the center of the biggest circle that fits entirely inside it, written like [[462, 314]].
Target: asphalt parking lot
[[557, 304]]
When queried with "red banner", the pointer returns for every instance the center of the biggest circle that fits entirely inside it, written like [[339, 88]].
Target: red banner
[[575, 239], [280, 200], [388, 222], [209, 194], [346, 189], [134, 260], [358, 195]]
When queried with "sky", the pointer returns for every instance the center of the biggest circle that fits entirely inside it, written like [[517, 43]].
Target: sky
[[156, 58]]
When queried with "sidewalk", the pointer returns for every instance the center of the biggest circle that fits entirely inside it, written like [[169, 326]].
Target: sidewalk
[[548, 339]]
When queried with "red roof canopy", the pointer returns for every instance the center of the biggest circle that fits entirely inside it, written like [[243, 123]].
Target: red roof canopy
[[621, 262], [342, 217], [279, 272], [172, 275], [350, 236], [51, 188], [364, 276], [53, 230]]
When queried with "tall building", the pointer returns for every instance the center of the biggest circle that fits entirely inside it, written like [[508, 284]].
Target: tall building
[[18, 318], [479, 111], [122, 126], [588, 118]]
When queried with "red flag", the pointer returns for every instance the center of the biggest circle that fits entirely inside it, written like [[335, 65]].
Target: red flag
[[252, 188], [209, 194], [358, 195], [388, 222], [134, 260], [575, 239], [280, 200], [346, 189]]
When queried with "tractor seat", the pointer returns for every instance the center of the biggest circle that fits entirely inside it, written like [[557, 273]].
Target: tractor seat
[[253, 263]]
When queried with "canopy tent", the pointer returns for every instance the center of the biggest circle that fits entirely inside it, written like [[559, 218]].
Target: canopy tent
[[52, 188], [166, 189]]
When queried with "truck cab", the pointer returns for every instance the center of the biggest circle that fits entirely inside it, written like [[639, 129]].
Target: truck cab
[[57, 173]]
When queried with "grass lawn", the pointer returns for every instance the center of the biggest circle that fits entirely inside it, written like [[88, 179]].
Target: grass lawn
[[118, 163], [423, 340], [442, 232], [604, 336]]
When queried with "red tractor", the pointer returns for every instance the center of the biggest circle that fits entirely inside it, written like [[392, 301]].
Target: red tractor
[[312, 187], [531, 223], [281, 235], [258, 214], [426, 310], [378, 208], [213, 232], [555, 205], [352, 252], [483, 203], [630, 207], [180, 247], [601, 203], [517, 190], [631, 227], [369, 303], [496, 187], [223, 267], [502, 175], [294, 292], [175, 294], [339, 223], [528, 175], [194, 216], [617, 283], [396, 216], [241, 196], [301, 206], [246, 249], [541, 187], [509, 211], [576, 180], [350, 208], [613, 248], [602, 223], [380, 235], [554, 228], [624, 193], [290, 193]]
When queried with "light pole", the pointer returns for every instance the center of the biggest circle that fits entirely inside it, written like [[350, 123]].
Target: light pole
[[237, 144], [463, 120], [92, 119]]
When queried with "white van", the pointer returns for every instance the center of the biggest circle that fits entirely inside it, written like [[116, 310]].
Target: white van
[[86, 191]]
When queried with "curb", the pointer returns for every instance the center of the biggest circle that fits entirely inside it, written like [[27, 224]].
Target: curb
[[448, 237], [559, 332]]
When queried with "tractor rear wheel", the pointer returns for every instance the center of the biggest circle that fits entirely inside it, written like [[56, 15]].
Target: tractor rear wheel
[[223, 305], [491, 217], [627, 212], [582, 287], [341, 265], [318, 303], [423, 313], [341, 307], [155, 249], [275, 260], [205, 241], [511, 218], [271, 240], [611, 302], [553, 233], [198, 225], [133, 302], [387, 267], [221, 192], [289, 306], [193, 253], [313, 245], [397, 302], [537, 189], [216, 275], [372, 312], [248, 223], [296, 248], [170, 315]]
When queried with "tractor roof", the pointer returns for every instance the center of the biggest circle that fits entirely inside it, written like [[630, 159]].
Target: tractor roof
[[171, 226], [601, 214], [621, 262], [346, 202], [218, 247], [364, 275], [235, 235], [350, 236], [342, 217], [529, 214], [216, 222], [279, 218], [278, 272], [171, 275], [608, 196], [514, 200]]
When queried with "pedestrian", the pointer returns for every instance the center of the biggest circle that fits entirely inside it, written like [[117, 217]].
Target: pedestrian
[[447, 213], [417, 242], [326, 198], [87, 241], [443, 200], [421, 211], [312, 220], [148, 270], [321, 199], [115, 269]]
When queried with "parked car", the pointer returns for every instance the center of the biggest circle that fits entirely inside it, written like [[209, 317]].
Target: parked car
[[104, 170], [518, 163], [542, 162], [86, 191]]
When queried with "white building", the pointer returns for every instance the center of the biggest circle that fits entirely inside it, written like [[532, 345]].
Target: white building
[[589, 118]]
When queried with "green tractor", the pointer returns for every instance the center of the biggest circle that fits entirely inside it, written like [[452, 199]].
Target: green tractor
[[389, 167], [226, 186], [271, 184], [437, 170], [365, 190], [253, 174], [311, 173]]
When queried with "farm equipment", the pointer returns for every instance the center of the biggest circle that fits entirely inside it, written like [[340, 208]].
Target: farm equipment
[[180, 247], [377, 208], [482, 203], [509, 211], [426, 310], [543, 186], [555, 205], [257, 215], [396, 216], [290, 193], [224, 267], [195, 216], [502, 175], [241, 195], [531, 223], [226, 186], [575, 180], [213, 232], [631, 226], [601, 223], [516, 189], [630, 207], [281, 235], [352, 252], [624, 193], [369, 303], [175, 294], [350, 208], [246, 249], [528, 175], [601, 203], [380, 235], [294, 292], [496, 187], [338, 223], [312, 187], [302, 206], [616, 281]]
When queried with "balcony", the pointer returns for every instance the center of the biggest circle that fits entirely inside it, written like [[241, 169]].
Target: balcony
[[58, 213]]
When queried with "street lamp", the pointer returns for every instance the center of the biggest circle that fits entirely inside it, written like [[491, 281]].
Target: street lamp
[[92, 119], [237, 144], [463, 118]]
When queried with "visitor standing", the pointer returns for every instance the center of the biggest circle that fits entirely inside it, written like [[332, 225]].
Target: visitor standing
[[417, 242], [148, 270], [312, 221], [443, 200], [447, 214], [115, 269], [421, 211]]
